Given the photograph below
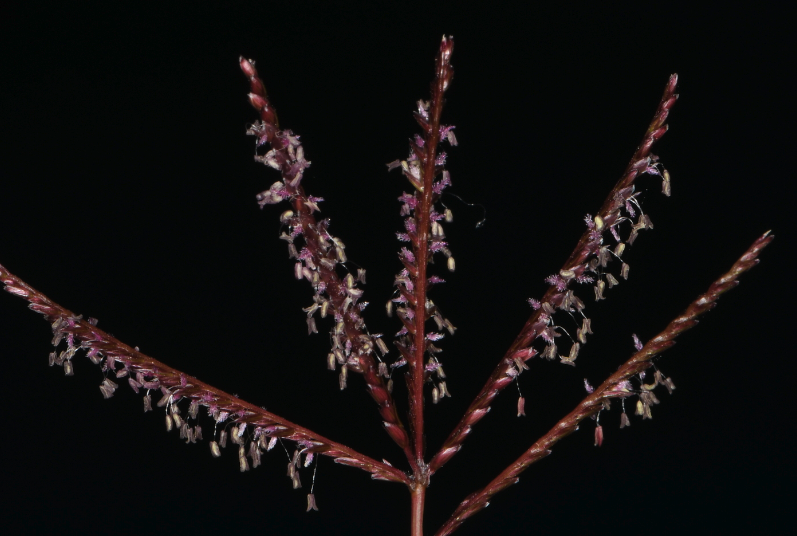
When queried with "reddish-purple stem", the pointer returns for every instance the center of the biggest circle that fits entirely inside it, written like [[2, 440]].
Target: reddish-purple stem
[[443, 73]]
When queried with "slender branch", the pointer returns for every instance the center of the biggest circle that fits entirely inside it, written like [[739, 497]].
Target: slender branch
[[443, 74], [558, 295], [610, 388], [353, 347], [175, 385]]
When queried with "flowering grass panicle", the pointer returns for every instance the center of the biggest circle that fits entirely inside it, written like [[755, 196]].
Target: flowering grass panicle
[[558, 328]]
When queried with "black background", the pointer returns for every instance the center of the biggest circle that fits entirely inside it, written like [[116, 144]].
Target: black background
[[128, 195]]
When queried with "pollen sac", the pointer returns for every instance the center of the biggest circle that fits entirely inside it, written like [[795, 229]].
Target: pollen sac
[[389, 386], [342, 378], [451, 328], [147, 403], [338, 243], [107, 387], [549, 352], [665, 185], [624, 420], [193, 409], [581, 336], [178, 422], [598, 435], [243, 463], [567, 301], [311, 505], [619, 249], [223, 439], [586, 325], [61, 357], [169, 423], [164, 399], [569, 360], [95, 356], [57, 338], [599, 290], [68, 368], [521, 407], [611, 280], [331, 362], [329, 264], [567, 274], [311, 327], [449, 216], [214, 449], [254, 453], [603, 256], [435, 395], [297, 483], [598, 223], [451, 264], [668, 383], [624, 271]]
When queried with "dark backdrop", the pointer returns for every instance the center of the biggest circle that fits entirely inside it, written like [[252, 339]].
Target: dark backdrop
[[128, 195]]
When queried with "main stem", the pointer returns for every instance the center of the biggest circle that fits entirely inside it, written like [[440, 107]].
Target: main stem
[[418, 500]]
